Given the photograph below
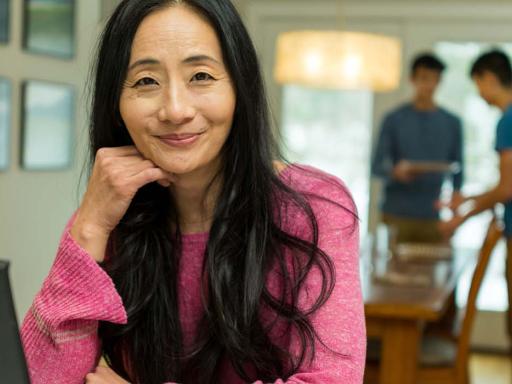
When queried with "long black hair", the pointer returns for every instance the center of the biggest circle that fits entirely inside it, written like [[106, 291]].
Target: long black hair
[[245, 242]]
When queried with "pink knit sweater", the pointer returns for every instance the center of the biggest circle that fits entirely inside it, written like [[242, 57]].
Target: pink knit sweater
[[59, 331]]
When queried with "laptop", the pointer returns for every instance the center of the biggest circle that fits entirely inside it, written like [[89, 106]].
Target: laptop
[[13, 367]]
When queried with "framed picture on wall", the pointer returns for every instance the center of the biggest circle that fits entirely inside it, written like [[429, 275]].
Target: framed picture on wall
[[47, 126], [4, 21], [49, 26], [5, 122]]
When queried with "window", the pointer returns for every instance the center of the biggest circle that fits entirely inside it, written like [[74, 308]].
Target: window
[[331, 130]]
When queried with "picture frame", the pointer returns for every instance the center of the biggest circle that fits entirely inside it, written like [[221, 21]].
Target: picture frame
[[49, 27], [4, 21], [47, 121], [5, 122]]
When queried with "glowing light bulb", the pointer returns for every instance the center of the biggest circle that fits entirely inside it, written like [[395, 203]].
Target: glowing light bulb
[[313, 63], [351, 67]]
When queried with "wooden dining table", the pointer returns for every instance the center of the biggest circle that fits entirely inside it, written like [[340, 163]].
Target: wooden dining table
[[396, 310]]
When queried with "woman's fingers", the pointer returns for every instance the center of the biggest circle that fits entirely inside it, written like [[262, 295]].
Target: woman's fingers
[[133, 164], [164, 183], [135, 168], [150, 175], [104, 375], [118, 151], [117, 175]]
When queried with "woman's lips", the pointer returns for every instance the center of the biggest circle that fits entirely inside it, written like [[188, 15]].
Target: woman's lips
[[180, 140]]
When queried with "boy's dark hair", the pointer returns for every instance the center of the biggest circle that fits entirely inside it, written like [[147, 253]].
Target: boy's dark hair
[[496, 62], [428, 61]]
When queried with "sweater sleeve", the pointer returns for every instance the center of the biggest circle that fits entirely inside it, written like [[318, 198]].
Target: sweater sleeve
[[339, 323], [60, 330], [383, 157]]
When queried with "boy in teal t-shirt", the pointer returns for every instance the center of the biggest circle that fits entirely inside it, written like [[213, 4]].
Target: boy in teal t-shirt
[[503, 144], [492, 74]]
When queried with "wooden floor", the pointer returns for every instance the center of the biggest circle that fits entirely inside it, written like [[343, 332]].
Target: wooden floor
[[490, 369]]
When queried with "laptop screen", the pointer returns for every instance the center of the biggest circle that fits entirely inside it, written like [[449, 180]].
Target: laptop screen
[[13, 368]]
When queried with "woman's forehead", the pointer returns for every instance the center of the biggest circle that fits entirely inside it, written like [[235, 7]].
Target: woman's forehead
[[178, 29]]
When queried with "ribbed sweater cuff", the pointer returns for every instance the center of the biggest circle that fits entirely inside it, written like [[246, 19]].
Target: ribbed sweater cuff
[[77, 288]]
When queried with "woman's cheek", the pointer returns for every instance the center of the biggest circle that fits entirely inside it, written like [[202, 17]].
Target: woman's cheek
[[218, 110], [139, 117]]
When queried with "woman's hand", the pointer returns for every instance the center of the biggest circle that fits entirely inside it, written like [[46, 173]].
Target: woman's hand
[[104, 375], [117, 175]]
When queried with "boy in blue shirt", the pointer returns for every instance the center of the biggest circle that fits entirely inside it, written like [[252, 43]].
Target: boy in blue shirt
[[492, 74], [418, 131]]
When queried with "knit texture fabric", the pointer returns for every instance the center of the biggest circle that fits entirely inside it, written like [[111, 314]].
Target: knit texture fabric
[[60, 330]]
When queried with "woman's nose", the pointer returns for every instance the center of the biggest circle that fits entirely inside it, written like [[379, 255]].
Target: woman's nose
[[177, 106]]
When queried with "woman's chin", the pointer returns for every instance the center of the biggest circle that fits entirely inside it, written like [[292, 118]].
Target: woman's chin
[[177, 168], [181, 165]]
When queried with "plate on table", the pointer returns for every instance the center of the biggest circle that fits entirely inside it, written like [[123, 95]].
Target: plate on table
[[434, 167], [401, 278], [423, 252]]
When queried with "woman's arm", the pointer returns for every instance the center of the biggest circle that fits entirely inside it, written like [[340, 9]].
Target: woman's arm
[[59, 332]]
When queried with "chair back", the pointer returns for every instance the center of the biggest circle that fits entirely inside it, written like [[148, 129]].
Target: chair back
[[494, 233]]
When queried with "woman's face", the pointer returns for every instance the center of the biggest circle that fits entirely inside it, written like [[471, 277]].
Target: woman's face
[[178, 100]]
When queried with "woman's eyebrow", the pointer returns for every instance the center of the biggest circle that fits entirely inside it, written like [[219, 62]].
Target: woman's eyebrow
[[200, 58], [145, 61], [189, 60]]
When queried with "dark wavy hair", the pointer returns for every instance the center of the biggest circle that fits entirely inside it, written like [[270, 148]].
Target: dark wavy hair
[[245, 241], [497, 62]]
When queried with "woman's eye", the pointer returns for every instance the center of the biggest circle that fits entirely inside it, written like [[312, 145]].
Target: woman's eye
[[202, 76], [145, 81]]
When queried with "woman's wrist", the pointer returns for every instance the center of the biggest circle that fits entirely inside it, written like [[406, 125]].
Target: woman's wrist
[[91, 238]]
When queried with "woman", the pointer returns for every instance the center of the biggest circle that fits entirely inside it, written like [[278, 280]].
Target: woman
[[194, 257]]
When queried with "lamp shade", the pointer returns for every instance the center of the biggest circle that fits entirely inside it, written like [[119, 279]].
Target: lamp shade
[[338, 60]]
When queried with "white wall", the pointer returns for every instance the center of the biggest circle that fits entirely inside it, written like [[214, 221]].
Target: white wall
[[34, 206]]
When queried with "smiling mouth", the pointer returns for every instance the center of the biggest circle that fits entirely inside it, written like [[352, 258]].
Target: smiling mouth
[[180, 140]]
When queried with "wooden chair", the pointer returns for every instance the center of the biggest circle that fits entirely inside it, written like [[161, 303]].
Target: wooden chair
[[445, 359]]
